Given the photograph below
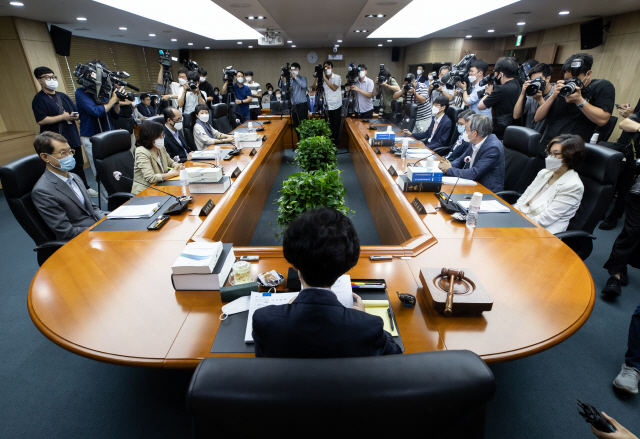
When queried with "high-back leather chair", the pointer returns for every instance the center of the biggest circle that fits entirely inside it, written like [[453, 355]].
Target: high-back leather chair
[[187, 130], [521, 157], [18, 178], [112, 152], [157, 119], [606, 130], [220, 119], [279, 107], [395, 117], [453, 112], [442, 393], [599, 173], [408, 121]]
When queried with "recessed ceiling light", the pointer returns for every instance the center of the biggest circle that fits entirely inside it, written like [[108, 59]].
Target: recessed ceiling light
[[379, 45], [277, 32], [174, 39], [521, 23], [337, 45], [356, 31], [152, 35], [261, 17], [250, 47], [490, 30], [289, 42], [122, 28], [468, 36], [190, 44], [339, 41], [563, 12], [293, 45], [239, 42], [381, 15], [207, 47], [81, 19], [249, 18], [16, 4], [389, 41], [375, 16]]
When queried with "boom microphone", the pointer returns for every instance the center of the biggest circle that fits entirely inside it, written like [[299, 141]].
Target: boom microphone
[[175, 209], [445, 200]]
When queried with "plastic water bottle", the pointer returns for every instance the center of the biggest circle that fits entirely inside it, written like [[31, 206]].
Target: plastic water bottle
[[389, 129], [474, 210], [250, 127], [217, 154], [184, 182], [405, 148]]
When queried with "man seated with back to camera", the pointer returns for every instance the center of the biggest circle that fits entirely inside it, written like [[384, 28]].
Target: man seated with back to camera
[[204, 134], [59, 195], [364, 90], [503, 96], [460, 146], [580, 112], [439, 131], [486, 153], [417, 93], [540, 74], [174, 141], [322, 245]]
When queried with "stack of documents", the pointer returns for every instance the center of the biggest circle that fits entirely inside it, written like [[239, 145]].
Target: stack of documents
[[207, 154], [461, 182], [134, 211], [487, 206], [197, 257]]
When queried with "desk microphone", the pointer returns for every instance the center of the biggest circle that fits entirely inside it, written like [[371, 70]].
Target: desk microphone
[[175, 209], [445, 200], [423, 158]]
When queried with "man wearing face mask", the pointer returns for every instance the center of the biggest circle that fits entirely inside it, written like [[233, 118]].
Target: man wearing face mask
[[174, 141], [579, 113], [486, 153], [441, 90], [364, 87], [439, 131], [256, 95], [420, 75], [205, 86], [55, 111], [277, 96], [243, 96], [189, 97], [528, 105], [472, 96], [298, 95], [332, 84], [268, 96], [204, 134], [217, 97], [418, 94], [503, 98], [59, 195], [461, 145], [176, 87], [389, 89]]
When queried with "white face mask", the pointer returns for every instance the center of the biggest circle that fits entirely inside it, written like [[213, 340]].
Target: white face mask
[[182, 81], [278, 95], [552, 163], [437, 109], [178, 126], [202, 79], [328, 71], [270, 92], [465, 137], [240, 80], [361, 75], [159, 142], [204, 117], [52, 84], [241, 304], [249, 78], [419, 72], [472, 79], [294, 72], [215, 93]]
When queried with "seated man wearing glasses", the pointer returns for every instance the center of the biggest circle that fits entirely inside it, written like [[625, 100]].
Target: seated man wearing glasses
[[60, 196]]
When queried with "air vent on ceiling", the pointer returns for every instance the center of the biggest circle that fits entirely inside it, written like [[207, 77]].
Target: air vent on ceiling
[[522, 13], [82, 28]]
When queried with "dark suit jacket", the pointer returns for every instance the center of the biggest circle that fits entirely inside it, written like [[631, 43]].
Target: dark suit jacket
[[172, 146], [61, 209], [317, 101], [146, 111], [488, 166], [317, 325], [457, 149], [441, 137]]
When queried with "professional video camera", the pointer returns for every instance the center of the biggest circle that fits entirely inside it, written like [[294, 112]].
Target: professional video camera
[[165, 60], [285, 71], [381, 77], [459, 72], [570, 86], [228, 74], [98, 81], [523, 72], [488, 80], [436, 84], [191, 65], [352, 74], [535, 86]]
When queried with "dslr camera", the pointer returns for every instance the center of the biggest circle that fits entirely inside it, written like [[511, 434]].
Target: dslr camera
[[318, 71], [191, 65], [488, 80], [523, 72], [285, 71], [459, 72], [436, 84], [228, 74], [99, 82], [535, 86], [570, 86], [408, 82], [352, 74], [381, 77]]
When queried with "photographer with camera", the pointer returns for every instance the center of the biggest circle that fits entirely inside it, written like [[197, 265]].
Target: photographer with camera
[[256, 95], [437, 88], [472, 96], [505, 95], [190, 94], [297, 93], [176, 87], [414, 92], [331, 84], [388, 88], [206, 86], [535, 92], [364, 87], [242, 94], [579, 103]]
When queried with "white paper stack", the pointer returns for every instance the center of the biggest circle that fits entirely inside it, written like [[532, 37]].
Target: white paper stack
[[462, 182], [197, 257], [207, 154], [488, 206], [204, 175], [127, 211]]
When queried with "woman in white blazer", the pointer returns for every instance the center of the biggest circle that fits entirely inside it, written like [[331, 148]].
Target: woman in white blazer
[[203, 133], [554, 197]]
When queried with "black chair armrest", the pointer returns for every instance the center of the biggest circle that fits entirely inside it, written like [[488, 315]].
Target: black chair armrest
[[47, 249], [574, 234], [50, 244], [510, 197], [121, 195], [441, 150]]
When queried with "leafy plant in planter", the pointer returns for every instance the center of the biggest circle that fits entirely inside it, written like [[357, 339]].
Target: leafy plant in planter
[[316, 154], [313, 128], [305, 191]]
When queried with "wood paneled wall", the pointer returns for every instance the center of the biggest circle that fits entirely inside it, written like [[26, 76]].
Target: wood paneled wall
[[436, 50]]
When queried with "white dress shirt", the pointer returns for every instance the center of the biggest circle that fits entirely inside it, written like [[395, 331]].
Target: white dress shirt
[[333, 98], [475, 148], [71, 183]]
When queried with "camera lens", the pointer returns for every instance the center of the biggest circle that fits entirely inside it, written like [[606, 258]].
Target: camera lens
[[532, 89], [567, 89]]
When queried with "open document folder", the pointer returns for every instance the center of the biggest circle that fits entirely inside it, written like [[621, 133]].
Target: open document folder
[[134, 211]]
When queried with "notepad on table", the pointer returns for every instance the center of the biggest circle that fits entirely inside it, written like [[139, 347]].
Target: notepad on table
[[134, 211], [380, 308], [462, 182], [487, 206]]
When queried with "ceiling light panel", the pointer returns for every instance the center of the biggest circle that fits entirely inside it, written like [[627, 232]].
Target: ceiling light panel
[[227, 27], [404, 25]]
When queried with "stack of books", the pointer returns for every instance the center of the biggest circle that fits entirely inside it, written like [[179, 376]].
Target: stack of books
[[202, 266]]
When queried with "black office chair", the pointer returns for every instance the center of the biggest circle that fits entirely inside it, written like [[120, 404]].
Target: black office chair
[[157, 119], [599, 173], [220, 119], [395, 117], [408, 122], [187, 130], [606, 130], [279, 107], [442, 394], [521, 157], [112, 152], [18, 178], [453, 113]]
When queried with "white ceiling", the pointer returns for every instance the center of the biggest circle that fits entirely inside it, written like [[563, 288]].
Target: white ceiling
[[309, 23]]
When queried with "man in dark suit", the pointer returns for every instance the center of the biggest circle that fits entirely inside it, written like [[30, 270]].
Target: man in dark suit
[[460, 146], [314, 103], [144, 107], [486, 154], [174, 141], [60, 196], [438, 133], [322, 245]]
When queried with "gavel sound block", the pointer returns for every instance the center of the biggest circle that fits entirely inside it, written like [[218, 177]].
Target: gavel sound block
[[469, 297]]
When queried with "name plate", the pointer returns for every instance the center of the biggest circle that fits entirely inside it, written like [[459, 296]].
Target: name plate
[[207, 208], [236, 172], [392, 171], [264, 138], [253, 152], [366, 136], [417, 205], [377, 150]]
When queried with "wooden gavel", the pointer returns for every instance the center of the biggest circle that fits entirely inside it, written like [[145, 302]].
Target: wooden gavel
[[453, 275]]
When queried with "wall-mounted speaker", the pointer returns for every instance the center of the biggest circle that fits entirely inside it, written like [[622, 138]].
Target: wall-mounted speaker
[[61, 40], [395, 54], [183, 55], [591, 34]]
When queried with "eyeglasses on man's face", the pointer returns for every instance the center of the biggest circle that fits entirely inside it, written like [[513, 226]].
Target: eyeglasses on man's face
[[48, 77], [64, 153]]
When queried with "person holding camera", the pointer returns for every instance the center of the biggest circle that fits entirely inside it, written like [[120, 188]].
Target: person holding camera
[[206, 86], [190, 94], [505, 95], [414, 92], [176, 87], [297, 94], [242, 93], [331, 84], [388, 88], [56, 112], [540, 84], [364, 87], [436, 89], [471, 95], [256, 95]]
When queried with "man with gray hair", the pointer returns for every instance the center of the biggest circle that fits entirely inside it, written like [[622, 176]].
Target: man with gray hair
[[485, 152]]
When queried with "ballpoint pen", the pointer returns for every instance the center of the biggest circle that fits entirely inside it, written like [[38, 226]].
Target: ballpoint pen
[[390, 317]]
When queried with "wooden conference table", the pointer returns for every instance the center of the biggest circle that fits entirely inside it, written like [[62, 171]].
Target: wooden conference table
[[108, 295]]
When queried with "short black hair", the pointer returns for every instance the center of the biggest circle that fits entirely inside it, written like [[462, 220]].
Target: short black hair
[[193, 76], [144, 96], [183, 70], [363, 66], [386, 73], [444, 67], [168, 114], [543, 68], [587, 62], [268, 85], [443, 101], [420, 65], [202, 71], [277, 90], [42, 142], [199, 108], [481, 65], [147, 134], [329, 63], [216, 88], [295, 65], [410, 77], [39, 71], [248, 73], [322, 244], [240, 72], [507, 65], [532, 63]]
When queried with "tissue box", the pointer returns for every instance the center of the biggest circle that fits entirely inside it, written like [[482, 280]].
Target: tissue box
[[385, 135], [417, 174], [204, 175], [245, 137]]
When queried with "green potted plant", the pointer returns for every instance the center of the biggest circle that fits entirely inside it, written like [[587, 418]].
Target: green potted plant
[[305, 191], [315, 154], [313, 128]]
